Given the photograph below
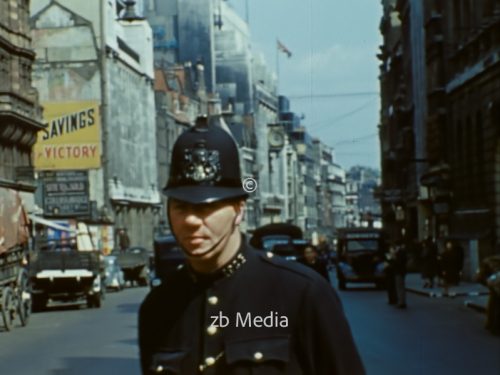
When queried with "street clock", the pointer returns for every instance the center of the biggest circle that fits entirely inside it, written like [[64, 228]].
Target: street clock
[[276, 138]]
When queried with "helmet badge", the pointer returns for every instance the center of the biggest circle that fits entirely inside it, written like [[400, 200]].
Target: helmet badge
[[201, 164]]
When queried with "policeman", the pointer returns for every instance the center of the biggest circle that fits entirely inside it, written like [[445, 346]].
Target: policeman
[[232, 309]]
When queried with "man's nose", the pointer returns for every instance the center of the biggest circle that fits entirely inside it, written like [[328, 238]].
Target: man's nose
[[192, 218]]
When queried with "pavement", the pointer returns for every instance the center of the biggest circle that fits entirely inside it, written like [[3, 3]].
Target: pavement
[[476, 295]]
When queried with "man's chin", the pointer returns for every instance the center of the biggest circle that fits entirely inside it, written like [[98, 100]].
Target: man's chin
[[198, 252]]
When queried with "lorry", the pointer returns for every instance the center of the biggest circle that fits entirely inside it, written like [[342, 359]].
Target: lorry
[[66, 269], [15, 297], [361, 255]]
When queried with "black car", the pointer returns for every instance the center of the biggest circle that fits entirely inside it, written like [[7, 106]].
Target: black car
[[135, 264], [168, 256], [281, 239]]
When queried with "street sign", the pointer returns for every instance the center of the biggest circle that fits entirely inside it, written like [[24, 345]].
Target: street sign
[[65, 193]]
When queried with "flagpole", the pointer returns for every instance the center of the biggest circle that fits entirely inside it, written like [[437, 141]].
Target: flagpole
[[277, 67]]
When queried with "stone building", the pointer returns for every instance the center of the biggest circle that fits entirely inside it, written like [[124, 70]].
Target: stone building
[[470, 150], [458, 147], [97, 66], [20, 112]]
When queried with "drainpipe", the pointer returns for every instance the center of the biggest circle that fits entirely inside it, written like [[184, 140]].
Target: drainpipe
[[104, 106]]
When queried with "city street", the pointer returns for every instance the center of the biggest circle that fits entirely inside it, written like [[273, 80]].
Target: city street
[[433, 336], [72, 339]]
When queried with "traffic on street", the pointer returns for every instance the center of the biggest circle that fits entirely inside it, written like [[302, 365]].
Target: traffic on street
[[227, 187], [433, 336]]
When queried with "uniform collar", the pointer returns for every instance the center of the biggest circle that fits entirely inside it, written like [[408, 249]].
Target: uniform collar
[[229, 269]]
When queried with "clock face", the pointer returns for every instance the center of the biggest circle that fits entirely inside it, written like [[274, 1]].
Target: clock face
[[276, 138]]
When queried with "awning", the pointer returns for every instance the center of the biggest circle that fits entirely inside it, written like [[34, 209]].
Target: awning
[[50, 224]]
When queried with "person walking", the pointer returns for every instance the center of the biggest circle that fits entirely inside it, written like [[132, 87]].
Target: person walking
[[448, 265], [317, 263], [123, 239], [233, 309], [400, 259], [390, 275], [489, 275], [429, 265]]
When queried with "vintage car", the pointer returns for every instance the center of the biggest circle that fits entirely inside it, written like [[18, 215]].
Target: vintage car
[[114, 278], [280, 238], [135, 264], [168, 256], [360, 254]]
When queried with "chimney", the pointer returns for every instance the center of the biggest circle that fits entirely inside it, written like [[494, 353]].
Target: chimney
[[129, 13]]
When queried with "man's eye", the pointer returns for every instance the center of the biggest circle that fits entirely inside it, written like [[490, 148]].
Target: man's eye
[[179, 206]]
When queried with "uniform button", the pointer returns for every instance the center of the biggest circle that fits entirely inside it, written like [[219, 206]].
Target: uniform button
[[213, 300], [258, 356], [159, 369], [212, 330], [269, 254], [209, 361]]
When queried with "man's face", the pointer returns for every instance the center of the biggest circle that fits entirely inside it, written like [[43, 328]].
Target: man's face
[[310, 255], [202, 230]]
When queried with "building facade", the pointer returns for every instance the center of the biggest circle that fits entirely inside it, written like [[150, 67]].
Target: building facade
[[95, 71], [20, 112], [457, 180]]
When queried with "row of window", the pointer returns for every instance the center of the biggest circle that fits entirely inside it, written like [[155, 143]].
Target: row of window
[[14, 15], [13, 67], [10, 159]]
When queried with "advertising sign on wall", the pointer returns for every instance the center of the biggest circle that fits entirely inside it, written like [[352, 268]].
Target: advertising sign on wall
[[65, 193], [72, 137]]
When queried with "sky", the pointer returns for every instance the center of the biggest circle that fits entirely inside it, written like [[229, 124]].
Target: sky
[[334, 45]]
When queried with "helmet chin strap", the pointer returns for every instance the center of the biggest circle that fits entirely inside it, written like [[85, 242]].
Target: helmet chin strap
[[226, 235], [223, 237]]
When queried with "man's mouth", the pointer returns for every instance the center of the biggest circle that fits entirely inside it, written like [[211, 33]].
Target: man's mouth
[[196, 239]]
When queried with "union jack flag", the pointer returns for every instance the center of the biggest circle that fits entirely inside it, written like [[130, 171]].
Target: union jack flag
[[281, 47]]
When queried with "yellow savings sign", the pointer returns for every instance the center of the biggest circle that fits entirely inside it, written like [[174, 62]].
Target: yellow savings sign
[[72, 137]]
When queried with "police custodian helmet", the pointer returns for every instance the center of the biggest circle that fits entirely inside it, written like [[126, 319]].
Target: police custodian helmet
[[205, 165]]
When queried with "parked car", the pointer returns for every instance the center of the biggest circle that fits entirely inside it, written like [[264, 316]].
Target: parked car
[[134, 262], [114, 274], [168, 256]]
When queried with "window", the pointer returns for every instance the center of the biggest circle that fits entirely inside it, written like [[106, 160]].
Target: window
[[479, 154], [5, 71]]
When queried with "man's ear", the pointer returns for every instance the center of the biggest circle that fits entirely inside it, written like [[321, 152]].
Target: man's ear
[[240, 211]]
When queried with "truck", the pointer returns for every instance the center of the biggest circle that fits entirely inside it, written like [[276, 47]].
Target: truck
[[15, 297], [361, 255], [66, 269]]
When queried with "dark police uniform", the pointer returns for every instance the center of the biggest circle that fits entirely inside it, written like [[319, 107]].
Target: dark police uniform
[[259, 314], [306, 333]]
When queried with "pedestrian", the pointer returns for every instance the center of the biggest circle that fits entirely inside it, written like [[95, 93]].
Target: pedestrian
[[390, 276], [459, 261], [232, 309], [123, 239], [400, 259], [429, 265], [489, 275], [451, 264], [317, 263]]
